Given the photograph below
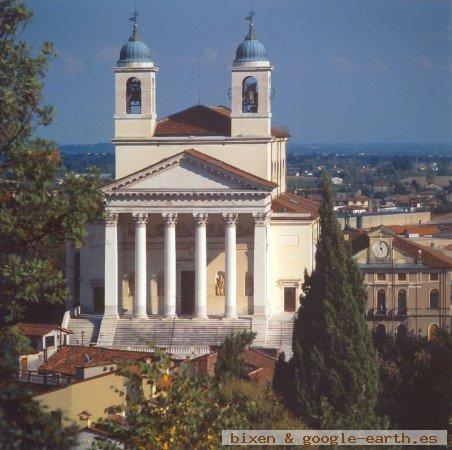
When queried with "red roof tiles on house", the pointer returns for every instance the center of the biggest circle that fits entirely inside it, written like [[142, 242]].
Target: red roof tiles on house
[[67, 358], [200, 120], [261, 366], [421, 230], [291, 203], [39, 329], [429, 257]]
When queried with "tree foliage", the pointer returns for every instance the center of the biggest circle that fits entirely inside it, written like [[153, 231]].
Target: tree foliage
[[415, 380], [333, 374], [189, 410], [230, 362], [23, 425], [40, 205]]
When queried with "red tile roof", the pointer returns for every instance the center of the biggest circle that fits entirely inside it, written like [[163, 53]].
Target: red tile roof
[[261, 366], [429, 257], [421, 230], [291, 203], [200, 120], [67, 358], [39, 329]]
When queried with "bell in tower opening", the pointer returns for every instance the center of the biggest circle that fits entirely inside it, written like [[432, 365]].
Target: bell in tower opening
[[133, 93], [249, 95]]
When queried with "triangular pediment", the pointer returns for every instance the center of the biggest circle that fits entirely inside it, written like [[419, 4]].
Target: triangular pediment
[[187, 172]]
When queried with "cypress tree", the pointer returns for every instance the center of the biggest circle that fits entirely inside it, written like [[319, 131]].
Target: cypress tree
[[333, 368]]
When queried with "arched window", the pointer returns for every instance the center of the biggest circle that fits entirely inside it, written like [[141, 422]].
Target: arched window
[[381, 302], [401, 302], [434, 299], [249, 95], [432, 331], [133, 96]]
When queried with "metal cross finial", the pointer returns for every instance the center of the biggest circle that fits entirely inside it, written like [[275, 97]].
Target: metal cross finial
[[250, 16], [134, 16]]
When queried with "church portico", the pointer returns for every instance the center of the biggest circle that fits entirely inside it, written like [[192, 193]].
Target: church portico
[[156, 260]]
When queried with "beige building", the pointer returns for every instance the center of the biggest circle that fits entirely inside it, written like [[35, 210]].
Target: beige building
[[198, 221], [408, 284]]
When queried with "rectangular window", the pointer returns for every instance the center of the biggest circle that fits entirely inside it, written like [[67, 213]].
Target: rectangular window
[[434, 277], [50, 341], [290, 299], [381, 276], [401, 276]]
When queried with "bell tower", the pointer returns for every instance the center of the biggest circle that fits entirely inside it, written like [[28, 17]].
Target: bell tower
[[251, 91], [135, 105]]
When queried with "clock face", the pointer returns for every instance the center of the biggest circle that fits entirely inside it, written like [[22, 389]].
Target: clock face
[[380, 249]]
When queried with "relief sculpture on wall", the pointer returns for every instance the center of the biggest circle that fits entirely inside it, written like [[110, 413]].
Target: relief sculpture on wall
[[160, 285], [249, 284], [219, 284]]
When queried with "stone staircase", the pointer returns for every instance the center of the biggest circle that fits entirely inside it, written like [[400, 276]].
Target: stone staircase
[[279, 333], [107, 332], [172, 333], [86, 326]]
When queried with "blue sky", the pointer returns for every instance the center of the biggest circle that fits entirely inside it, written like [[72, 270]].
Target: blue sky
[[346, 70]]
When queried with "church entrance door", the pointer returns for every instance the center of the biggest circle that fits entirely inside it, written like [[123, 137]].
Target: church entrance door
[[187, 292]]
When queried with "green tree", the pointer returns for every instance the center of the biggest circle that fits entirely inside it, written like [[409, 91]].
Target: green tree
[[22, 422], [415, 380], [333, 369], [230, 362], [40, 206], [189, 410]]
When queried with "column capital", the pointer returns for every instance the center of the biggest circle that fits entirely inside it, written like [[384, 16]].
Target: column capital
[[231, 219], [111, 218], [261, 219], [140, 218], [170, 218], [200, 218]]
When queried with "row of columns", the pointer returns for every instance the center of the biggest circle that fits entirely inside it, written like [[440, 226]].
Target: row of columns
[[169, 302]]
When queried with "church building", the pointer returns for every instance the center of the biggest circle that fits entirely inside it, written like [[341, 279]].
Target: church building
[[201, 236]]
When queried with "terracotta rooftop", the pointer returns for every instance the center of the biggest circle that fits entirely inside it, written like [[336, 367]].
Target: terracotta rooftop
[[421, 230], [429, 256], [67, 358], [291, 203], [200, 120], [39, 329], [260, 364]]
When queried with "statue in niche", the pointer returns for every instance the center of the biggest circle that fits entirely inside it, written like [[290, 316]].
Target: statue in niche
[[130, 278], [219, 284], [249, 284], [160, 285]]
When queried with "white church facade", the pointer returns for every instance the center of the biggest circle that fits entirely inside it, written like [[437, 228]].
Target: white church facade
[[199, 227]]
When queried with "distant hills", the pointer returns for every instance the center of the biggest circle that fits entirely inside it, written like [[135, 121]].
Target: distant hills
[[340, 149], [80, 149]]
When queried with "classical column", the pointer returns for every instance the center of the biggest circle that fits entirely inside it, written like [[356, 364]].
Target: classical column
[[261, 263], [139, 307], [200, 265], [111, 265], [169, 302], [231, 264]]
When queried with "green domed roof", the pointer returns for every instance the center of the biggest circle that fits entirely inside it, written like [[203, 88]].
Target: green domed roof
[[251, 49], [135, 50]]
